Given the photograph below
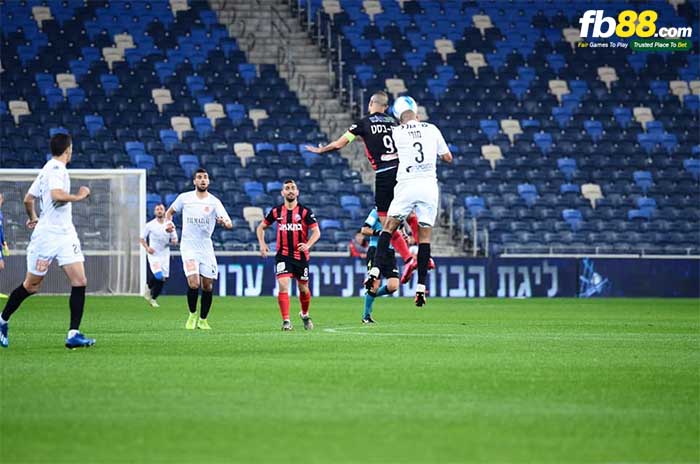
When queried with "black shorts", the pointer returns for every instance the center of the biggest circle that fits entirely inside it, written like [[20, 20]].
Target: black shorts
[[389, 269], [384, 184], [288, 267]]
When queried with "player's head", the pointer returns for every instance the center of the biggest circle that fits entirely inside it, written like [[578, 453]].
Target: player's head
[[200, 178], [61, 144], [378, 102], [290, 192], [159, 210], [405, 109]]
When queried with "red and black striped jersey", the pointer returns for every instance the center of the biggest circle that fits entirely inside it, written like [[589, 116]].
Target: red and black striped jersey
[[375, 130], [292, 229]]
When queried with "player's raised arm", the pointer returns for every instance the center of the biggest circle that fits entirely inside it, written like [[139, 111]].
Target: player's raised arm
[[333, 146]]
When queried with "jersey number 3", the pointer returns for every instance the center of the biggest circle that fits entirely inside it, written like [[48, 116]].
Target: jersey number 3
[[419, 147]]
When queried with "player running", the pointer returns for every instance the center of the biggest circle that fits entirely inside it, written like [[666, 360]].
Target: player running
[[53, 237], [419, 144], [293, 244], [375, 129], [156, 240], [372, 228], [201, 211]]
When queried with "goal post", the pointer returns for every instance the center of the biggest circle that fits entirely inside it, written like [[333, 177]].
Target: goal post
[[108, 223]]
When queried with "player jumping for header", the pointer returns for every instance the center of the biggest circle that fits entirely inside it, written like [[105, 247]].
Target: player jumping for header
[[375, 130], [419, 144]]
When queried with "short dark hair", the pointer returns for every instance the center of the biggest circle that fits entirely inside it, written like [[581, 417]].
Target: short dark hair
[[289, 181], [381, 98], [60, 143], [199, 171]]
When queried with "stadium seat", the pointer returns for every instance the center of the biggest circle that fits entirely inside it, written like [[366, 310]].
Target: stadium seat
[[244, 151], [592, 193], [161, 97], [528, 193], [253, 215], [573, 218], [608, 76], [693, 167], [257, 115], [511, 127], [189, 163], [475, 60], [19, 108], [643, 180], [491, 153], [558, 88], [214, 111], [180, 124]]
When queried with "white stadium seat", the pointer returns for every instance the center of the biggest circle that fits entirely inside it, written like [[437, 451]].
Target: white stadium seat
[[161, 97]]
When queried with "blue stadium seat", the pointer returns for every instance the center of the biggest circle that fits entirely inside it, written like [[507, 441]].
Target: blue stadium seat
[[189, 163], [643, 180], [693, 167]]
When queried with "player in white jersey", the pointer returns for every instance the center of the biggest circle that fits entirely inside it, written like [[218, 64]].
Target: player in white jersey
[[53, 238], [156, 240], [201, 211], [419, 145]]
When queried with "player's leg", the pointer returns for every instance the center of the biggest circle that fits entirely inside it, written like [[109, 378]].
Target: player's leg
[[27, 288], [283, 284], [392, 224], [391, 272], [193, 284], [305, 301], [383, 196], [370, 296], [205, 305], [426, 212], [75, 272]]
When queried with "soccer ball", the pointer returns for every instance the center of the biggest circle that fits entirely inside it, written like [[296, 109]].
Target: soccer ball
[[402, 104]]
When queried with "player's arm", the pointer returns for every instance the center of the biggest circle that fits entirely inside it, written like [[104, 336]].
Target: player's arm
[[315, 236], [260, 232], [442, 148], [32, 218], [173, 238], [144, 244], [222, 217], [369, 231], [333, 146], [62, 196], [170, 213]]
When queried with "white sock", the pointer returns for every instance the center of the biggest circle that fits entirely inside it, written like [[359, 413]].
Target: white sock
[[72, 333], [2, 321], [420, 288]]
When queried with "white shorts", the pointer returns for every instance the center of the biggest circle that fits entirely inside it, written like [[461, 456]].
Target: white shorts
[[423, 196], [159, 262], [199, 261], [44, 248]]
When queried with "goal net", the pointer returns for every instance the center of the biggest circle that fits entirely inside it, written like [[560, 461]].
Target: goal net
[[108, 224]]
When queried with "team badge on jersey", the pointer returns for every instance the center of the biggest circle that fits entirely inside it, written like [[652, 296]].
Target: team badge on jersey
[[206, 209]]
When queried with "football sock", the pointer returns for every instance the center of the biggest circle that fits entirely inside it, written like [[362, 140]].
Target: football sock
[[192, 295], [412, 222], [77, 304], [423, 261], [305, 300], [382, 248], [400, 245], [283, 300], [156, 288], [369, 301], [206, 304], [73, 333], [17, 296]]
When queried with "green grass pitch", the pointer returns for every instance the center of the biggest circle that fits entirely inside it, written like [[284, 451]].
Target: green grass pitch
[[462, 380]]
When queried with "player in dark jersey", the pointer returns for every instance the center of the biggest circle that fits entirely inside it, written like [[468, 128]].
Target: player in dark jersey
[[294, 221], [375, 130]]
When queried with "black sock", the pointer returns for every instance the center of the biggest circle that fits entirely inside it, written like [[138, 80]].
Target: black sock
[[206, 304], [156, 288], [423, 260], [192, 295], [17, 296], [151, 282], [382, 248], [77, 304]]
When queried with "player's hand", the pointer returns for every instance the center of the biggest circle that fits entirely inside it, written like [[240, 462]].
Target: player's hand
[[303, 247], [150, 250], [83, 192], [170, 227], [264, 250], [31, 223], [313, 149], [223, 222]]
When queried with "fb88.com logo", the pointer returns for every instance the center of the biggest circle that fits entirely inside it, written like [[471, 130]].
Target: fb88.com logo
[[628, 24]]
